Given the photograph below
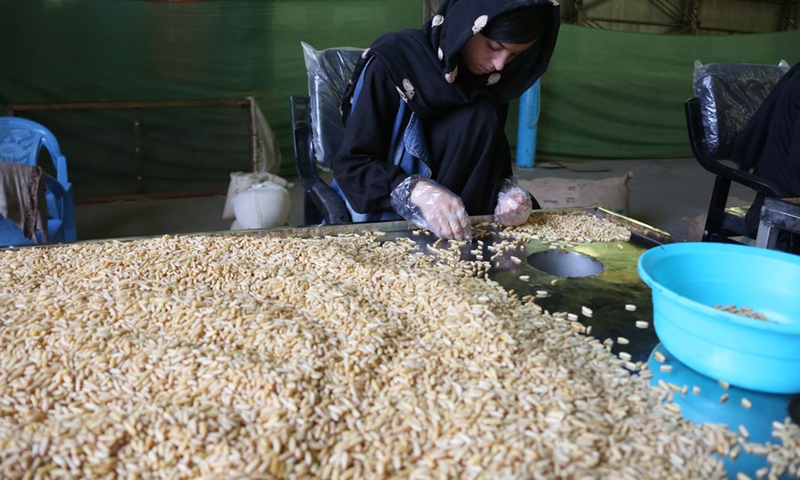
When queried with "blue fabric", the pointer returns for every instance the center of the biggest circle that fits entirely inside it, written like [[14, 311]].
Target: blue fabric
[[408, 150]]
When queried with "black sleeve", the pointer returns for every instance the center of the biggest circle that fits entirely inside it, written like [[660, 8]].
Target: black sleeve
[[361, 167]]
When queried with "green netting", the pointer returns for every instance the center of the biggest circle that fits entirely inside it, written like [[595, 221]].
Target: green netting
[[70, 51], [620, 95], [606, 95]]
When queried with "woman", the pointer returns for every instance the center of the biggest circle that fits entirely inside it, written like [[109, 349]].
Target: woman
[[425, 114], [770, 145]]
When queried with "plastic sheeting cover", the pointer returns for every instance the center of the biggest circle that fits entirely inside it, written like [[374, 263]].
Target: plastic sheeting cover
[[730, 93], [329, 72]]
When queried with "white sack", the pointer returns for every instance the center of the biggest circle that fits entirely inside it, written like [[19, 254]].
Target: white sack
[[264, 205], [241, 181]]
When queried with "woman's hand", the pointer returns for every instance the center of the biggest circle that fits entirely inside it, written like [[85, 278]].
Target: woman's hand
[[514, 206], [427, 204], [443, 211]]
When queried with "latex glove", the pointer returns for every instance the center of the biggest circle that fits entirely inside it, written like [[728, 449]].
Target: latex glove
[[514, 204], [429, 205]]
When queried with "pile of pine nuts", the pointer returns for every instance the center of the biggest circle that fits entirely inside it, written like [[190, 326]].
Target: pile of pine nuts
[[569, 227], [236, 356], [742, 311]]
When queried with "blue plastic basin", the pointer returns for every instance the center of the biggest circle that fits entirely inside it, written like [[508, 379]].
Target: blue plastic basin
[[689, 279]]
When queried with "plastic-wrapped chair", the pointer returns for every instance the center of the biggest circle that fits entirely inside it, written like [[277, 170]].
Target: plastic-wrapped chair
[[21, 141], [317, 129], [726, 96]]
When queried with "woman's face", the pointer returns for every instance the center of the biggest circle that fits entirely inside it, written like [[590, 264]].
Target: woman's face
[[482, 55]]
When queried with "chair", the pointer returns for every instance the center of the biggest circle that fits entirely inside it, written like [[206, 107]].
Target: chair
[[726, 95], [21, 141], [317, 130], [12, 235]]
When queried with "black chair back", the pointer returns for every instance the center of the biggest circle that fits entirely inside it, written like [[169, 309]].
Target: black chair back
[[318, 130], [727, 95]]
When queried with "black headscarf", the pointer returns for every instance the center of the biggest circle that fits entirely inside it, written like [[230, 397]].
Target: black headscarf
[[424, 63]]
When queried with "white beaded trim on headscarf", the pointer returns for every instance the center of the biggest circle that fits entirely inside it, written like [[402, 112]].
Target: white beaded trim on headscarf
[[408, 94], [440, 53], [437, 20], [493, 78], [364, 53], [409, 88], [480, 22], [451, 77]]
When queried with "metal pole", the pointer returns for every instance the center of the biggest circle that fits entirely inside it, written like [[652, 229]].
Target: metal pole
[[527, 128]]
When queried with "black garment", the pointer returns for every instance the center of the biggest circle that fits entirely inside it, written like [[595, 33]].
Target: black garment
[[770, 143], [463, 115], [470, 153], [361, 167]]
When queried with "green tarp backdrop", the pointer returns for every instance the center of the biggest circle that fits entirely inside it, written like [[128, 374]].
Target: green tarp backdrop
[[620, 95], [606, 95]]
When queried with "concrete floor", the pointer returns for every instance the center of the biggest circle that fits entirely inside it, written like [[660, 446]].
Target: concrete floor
[[669, 194]]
